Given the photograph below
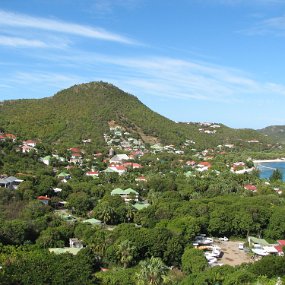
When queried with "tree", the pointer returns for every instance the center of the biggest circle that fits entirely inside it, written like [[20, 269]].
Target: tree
[[125, 252], [79, 202], [152, 272], [193, 261], [276, 175]]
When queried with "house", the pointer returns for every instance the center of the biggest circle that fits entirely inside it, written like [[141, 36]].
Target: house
[[10, 182], [132, 165], [44, 199], [256, 242], [191, 163], [11, 137], [75, 243], [250, 187], [119, 158], [139, 205], [127, 195], [120, 169], [280, 247], [75, 150], [30, 143], [57, 190], [27, 148], [203, 166], [76, 157], [46, 160], [92, 173], [141, 179], [63, 175]]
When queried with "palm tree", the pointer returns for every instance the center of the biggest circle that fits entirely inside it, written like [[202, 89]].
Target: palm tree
[[153, 271], [107, 214], [125, 251], [130, 213]]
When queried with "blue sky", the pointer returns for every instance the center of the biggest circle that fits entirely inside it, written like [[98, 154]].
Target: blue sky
[[189, 60]]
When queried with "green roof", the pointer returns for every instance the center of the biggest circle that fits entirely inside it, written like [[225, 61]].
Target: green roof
[[109, 170], [260, 241], [72, 250], [188, 173], [63, 174], [92, 221], [118, 191], [130, 190], [140, 206], [48, 157]]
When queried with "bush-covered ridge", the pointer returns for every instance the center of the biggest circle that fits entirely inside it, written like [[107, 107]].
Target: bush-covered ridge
[[83, 111]]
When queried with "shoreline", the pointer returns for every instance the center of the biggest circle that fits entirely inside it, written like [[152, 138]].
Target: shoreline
[[268, 160]]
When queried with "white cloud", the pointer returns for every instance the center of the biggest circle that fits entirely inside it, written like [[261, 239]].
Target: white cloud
[[20, 42], [274, 26], [168, 77], [25, 21]]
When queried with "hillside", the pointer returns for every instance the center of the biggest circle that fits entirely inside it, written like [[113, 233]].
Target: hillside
[[275, 132], [86, 110]]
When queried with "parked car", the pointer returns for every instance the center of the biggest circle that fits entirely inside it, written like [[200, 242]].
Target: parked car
[[241, 245], [223, 239]]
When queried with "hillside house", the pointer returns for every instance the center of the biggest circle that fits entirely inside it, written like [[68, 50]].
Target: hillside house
[[120, 169], [127, 195], [92, 173], [10, 182], [27, 148], [30, 143], [203, 166], [141, 179], [44, 199], [119, 158], [250, 187]]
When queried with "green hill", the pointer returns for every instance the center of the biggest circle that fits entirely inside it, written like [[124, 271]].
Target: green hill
[[86, 110], [275, 132]]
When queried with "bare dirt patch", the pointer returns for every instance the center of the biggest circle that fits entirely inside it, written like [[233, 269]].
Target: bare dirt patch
[[232, 254]]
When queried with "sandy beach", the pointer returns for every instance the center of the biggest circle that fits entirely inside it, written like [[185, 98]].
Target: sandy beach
[[269, 160]]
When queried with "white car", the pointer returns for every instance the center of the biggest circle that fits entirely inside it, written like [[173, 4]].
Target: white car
[[241, 245], [223, 239]]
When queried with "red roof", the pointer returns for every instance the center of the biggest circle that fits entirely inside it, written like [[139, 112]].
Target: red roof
[[120, 167], [30, 141], [2, 137], [76, 154], [10, 136], [205, 163], [279, 248], [43, 198], [250, 187], [136, 165], [92, 173], [281, 242], [75, 149]]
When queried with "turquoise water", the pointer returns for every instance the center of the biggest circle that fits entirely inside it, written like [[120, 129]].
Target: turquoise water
[[266, 168]]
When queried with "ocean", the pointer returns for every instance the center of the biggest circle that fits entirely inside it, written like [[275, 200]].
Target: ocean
[[266, 168]]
